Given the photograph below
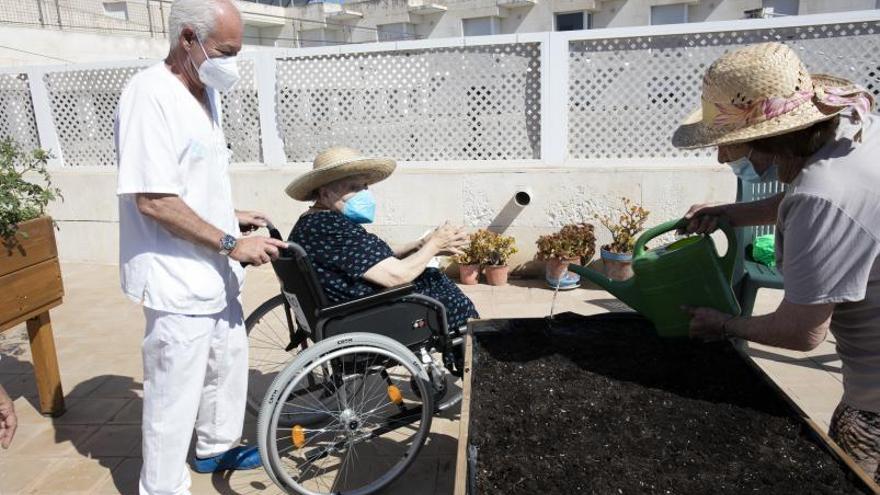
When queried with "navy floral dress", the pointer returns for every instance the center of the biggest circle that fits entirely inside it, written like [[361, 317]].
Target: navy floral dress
[[342, 251]]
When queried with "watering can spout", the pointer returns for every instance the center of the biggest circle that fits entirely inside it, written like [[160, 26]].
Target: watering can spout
[[625, 291]]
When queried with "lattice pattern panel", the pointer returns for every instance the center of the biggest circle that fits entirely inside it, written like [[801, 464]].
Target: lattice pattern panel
[[241, 116], [17, 110], [470, 103], [627, 95], [84, 105]]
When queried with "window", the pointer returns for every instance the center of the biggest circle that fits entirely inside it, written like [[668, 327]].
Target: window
[[782, 7], [572, 21], [116, 10], [676, 13], [396, 31], [480, 26]]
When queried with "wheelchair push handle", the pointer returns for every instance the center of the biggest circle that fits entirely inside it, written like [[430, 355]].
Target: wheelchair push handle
[[274, 233]]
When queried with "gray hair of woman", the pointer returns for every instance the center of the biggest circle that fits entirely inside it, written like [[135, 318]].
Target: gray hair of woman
[[199, 15]]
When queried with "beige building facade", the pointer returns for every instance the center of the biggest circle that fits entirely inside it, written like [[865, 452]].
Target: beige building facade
[[89, 30]]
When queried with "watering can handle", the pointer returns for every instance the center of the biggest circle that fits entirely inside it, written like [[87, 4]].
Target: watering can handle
[[727, 261]]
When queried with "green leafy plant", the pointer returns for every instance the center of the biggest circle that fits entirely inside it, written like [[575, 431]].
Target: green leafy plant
[[576, 240], [490, 248], [630, 220], [25, 188]]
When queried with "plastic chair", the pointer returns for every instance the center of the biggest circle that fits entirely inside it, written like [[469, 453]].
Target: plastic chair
[[749, 275]]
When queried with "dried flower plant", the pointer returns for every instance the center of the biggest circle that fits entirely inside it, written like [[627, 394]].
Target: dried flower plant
[[624, 229]]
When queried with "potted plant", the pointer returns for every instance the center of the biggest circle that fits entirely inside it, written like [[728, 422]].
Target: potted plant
[[494, 251], [29, 270], [617, 256], [469, 264], [573, 244]]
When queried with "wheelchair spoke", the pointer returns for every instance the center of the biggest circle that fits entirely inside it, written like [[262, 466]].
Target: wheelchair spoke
[[274, 344], [278, 364], [281, 339]]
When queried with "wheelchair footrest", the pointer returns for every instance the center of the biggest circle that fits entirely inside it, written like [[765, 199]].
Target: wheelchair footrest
[[450, 401]]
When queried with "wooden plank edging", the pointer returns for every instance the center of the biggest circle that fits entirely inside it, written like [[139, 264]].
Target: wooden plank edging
[[461, 460], [834, 449]]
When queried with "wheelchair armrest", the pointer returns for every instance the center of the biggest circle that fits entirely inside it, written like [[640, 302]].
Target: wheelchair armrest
[[380, 297]]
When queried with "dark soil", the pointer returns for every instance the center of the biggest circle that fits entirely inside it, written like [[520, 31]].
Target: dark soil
[[602, 405]]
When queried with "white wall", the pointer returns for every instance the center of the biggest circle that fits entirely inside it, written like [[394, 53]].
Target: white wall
[[416, 198], [26, 46]]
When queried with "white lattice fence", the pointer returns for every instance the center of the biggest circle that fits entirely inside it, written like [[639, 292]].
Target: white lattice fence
[[84, 104], [471, 103], [241, 116], [627, 95], [18, 121]]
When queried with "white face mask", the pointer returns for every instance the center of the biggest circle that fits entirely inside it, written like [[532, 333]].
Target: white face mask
[[220, 73], [744, 169]]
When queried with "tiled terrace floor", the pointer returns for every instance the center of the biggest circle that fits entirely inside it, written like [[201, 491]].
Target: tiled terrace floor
[[95, 447]]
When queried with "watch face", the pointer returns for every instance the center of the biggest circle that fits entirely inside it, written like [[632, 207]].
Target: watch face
[[228, 243]]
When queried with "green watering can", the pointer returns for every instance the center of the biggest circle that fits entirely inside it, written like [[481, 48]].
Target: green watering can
[[685, 272]]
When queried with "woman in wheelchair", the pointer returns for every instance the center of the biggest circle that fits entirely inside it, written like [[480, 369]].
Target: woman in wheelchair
[[367, 386], [351, 262]]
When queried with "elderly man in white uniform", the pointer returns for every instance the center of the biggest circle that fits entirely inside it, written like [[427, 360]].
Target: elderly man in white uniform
[[181, 250]]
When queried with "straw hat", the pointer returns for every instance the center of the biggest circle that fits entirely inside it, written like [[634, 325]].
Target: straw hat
[[756, 92], [337, 163]]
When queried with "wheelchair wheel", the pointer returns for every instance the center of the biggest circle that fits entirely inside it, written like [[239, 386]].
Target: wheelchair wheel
[[268, 339], [342, 417]]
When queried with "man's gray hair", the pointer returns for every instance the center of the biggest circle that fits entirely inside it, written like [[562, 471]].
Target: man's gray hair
[[199, 15]]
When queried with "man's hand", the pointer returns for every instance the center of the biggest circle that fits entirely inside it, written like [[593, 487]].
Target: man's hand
[[448, 240], [704, 218], [249, 221], [707, 323], [256, 250], [8, 420]]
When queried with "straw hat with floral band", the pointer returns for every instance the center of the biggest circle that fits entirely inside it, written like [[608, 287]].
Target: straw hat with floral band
[[338, 163], [764, 90]]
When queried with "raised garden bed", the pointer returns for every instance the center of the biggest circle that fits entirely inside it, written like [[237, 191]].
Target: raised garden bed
[[602, 405]]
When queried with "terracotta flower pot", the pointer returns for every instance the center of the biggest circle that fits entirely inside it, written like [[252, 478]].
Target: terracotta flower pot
[[469, 274], [497, 274], [617, 266], [557, 268]]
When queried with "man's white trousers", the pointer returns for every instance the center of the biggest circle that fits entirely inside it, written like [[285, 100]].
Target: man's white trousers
[[195, 376]]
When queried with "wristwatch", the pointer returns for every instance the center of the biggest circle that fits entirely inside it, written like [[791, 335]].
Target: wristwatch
[[227, 244]]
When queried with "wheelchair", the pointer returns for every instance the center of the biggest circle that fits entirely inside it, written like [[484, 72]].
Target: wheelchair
[[354, 386]]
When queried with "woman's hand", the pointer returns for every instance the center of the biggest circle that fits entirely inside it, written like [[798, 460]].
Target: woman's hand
[[704, 218], [8, 420], [448, 240], [706, 323]]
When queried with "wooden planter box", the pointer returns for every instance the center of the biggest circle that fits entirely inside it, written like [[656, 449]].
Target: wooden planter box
[[31, 279], [466, 462]]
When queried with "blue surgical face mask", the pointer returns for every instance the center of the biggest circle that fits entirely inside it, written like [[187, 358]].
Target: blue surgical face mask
[[744, 169], [360, 208]]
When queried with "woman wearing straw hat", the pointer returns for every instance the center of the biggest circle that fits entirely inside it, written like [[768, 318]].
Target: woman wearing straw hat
[[352, 262], [768, 115]]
